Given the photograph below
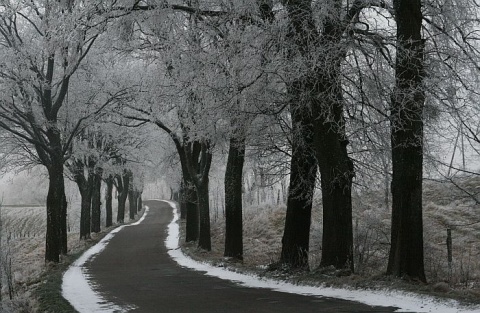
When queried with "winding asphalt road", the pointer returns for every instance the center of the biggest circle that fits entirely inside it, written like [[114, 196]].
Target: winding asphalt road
[[135, 270]]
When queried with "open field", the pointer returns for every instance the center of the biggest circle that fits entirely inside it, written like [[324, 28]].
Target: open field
[[22, 251]]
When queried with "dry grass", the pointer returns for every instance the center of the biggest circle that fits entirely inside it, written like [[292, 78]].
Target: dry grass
[[444, 206], [23, 242]]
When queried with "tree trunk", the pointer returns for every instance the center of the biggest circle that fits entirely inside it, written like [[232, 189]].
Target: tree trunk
[[86, 195], [64, 225], [84, 184], [182, 200], [406, 257], [303, 170], [336, 171], [321, 90], [132, 204], [204, 238], [123, 184], [96, 200], [192, 221], [140, 202], [108, 202], [198, 161], [233, 199], [56, 217]]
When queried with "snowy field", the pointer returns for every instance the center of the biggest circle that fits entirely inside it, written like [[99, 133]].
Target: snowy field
[[23, 250]]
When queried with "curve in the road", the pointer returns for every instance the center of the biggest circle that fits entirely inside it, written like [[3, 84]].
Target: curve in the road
[[135, 272]]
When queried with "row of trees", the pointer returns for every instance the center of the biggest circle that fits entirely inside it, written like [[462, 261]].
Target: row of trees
[[341, 90], [53, 96], [309, 59]]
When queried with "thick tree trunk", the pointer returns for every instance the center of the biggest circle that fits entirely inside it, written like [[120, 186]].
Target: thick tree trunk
[[198, 161], [56, 217], [406, 257], [204, 238], [336, 171], [123, 184], [303, 170], [96, 200], [321, 91], [233, 199], [108, 202], [192, 220]]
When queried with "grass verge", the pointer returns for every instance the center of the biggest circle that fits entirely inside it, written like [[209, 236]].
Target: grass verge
[[49, 291]]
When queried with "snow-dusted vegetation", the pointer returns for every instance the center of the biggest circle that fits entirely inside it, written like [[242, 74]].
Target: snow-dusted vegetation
[[337, 138], [23, 253], [448, 205]]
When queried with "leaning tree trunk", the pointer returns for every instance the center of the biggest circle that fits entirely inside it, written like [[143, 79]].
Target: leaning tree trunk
[[406, 257], [56, 218], [303, 170], [233, 199], [108, 202]]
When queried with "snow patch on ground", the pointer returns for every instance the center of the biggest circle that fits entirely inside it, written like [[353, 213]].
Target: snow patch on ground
[[405, 302], [77, 288]]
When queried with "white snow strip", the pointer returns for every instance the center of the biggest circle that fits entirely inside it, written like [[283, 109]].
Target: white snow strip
[[77, 288], [405, 302]]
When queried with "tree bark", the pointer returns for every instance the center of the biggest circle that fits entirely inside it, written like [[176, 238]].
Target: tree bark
[[303, 170], [233, 198], [96, 200], [85, 189], [204, 236], [406, 258], [321, 90], [192, 228], [56, 233], [123, 184], [140, 202], [132, 204], [182, 200], [337, 172], [108, 202], [192, 218], [198, 161]]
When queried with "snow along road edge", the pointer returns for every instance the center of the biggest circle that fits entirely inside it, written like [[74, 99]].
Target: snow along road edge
[[77, 288], [405, 302]]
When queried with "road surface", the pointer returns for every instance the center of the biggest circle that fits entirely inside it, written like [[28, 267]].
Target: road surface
[[135, 270]]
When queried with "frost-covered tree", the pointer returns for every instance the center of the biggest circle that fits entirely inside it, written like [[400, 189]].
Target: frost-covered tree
[[43, 45], [406, 252]]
